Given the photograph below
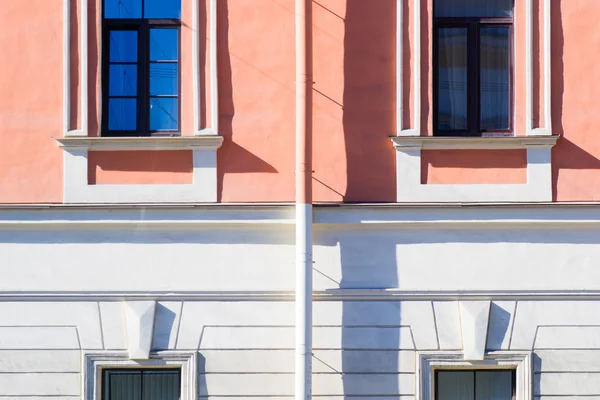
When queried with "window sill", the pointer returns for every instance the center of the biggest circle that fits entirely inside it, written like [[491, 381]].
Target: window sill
[[205, 142], [472, 143]]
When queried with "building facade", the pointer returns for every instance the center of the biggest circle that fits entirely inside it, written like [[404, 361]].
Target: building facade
[[147, 183]]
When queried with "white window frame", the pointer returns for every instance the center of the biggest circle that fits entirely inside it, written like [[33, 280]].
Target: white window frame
[[430, 361], [95, 363], [202, 141], [409, 142]]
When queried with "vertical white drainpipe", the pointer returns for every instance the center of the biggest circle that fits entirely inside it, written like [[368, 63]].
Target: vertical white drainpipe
[[303, 207]]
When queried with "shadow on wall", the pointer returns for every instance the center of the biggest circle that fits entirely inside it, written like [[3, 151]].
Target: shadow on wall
[[231, 158], [566, 154], [369, 99]]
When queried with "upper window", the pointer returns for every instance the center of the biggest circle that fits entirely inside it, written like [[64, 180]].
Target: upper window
[[473, 67], [141, 67], [475, 385], [141, 384]]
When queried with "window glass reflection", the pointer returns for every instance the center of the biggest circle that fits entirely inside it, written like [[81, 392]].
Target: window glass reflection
[[122, 114], [474, 8], [494, 86], [123, 46], [162, 9], [452, 79], [164, 44], [163, 79], [122, 80], [163, 114], [122, 9]]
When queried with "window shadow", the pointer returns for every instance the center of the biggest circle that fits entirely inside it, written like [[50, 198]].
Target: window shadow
[[232, 158]]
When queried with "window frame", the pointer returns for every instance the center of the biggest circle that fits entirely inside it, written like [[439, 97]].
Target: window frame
[[474, 370], [105, 378], [473, 26], [142, 26], [94, 363], [431, 360]]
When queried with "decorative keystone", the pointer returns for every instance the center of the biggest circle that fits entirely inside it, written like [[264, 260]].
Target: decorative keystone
[[139, 318], [474, 320]]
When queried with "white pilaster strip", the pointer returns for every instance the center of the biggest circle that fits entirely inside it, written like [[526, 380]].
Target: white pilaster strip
[[139, 318], [83, 62], [399, 66], [547, 67], [214, 84], [547, 46], [474, 320], [416, 70], [529, 67], [214, 89], [196, 65], [66, 66]]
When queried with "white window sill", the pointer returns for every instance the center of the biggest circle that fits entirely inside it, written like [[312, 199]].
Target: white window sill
[[539, 170], [203, 188], [472, 143], [205, 142]]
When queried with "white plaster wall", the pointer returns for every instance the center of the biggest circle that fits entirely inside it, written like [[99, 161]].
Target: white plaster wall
[[362, 348], [93, 260], [263, 259]]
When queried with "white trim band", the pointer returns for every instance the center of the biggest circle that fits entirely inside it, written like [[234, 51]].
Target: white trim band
[[206, 142], [472, 143]]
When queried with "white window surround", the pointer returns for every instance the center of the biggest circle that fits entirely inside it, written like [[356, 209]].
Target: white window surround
[[203, 188], [429, 361], [204, 142], [84, 68], [409, 142], [94, 363]]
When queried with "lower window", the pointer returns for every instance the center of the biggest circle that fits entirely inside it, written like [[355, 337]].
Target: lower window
[[141, 384], [475, 385]]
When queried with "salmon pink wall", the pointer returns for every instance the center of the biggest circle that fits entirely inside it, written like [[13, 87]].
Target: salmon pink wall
[[473, 166], [30, 101], [139, 167], [353, 101], [576, 99]]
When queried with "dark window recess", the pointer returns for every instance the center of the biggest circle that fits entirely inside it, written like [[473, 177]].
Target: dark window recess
[[473, 67], [135, 384], [475, 385], [141, 69]]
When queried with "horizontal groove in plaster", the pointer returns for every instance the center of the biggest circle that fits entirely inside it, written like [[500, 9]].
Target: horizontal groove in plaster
[[334, 295]]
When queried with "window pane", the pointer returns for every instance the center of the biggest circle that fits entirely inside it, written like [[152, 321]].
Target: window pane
[[124, 386], [163, 79], [162, 8], [455, 385], [163, 44], [163, 114], [161, 385], [122, 114], [493, 385], [495, 78], [123, 46], [473, 8], [122, 79], [122, 8], [452, 79]]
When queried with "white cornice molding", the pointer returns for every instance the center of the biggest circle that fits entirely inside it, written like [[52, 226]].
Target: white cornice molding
[[472, 143], [510, 217], [318, 295], [206, 142]]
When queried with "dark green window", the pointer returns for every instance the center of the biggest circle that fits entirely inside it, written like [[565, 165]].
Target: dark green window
[[475, 385], [141, 384]]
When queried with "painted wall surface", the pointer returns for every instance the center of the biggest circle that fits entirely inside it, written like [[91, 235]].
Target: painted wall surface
[[353, 98], [361, 348], [236, 249]]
